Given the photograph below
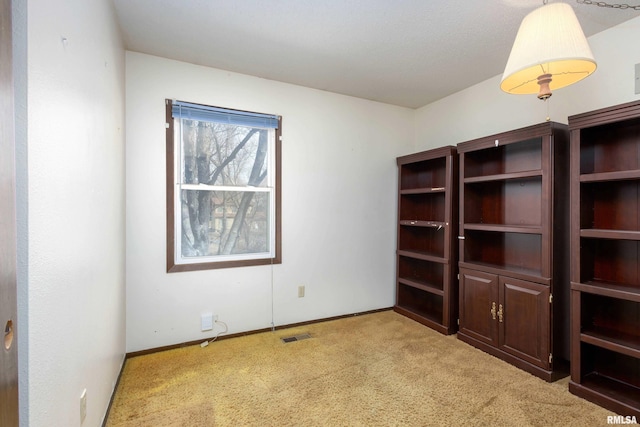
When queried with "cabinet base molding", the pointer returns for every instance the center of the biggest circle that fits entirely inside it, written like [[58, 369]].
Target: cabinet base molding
[[425, 321], [561, 367], [623, 403]]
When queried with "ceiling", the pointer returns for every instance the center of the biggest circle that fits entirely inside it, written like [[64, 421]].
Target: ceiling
[[402, 52]]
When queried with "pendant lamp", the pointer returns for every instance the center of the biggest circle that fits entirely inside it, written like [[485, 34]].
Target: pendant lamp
[[550, 52]]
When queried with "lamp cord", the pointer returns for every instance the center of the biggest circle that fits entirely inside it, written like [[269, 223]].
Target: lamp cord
[[273, 324], [548, 115], [609, 5]]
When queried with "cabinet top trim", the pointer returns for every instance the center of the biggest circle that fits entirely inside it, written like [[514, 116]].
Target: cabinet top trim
[[606, 115], [509, 137], [435, 153]]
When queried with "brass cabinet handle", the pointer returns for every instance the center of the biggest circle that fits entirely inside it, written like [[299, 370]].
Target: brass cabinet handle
[[493, 310], [500, 313]]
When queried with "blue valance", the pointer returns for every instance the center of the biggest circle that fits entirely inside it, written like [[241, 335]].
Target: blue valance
[[185, 110]]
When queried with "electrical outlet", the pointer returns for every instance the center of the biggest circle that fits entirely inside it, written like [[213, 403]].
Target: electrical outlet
[[637, 79], [83, 405], [300, 291], [206, 321]]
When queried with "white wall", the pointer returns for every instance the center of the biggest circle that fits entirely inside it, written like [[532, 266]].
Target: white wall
[[338, 206], [76, 231], [483, 109]]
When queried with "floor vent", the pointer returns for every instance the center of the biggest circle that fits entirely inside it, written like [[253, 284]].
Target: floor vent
[[295, 338]]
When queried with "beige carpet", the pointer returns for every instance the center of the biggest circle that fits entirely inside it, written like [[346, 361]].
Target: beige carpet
[[379, 369]]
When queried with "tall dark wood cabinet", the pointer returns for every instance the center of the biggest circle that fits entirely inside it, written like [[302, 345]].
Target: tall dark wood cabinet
[[514, 241], [426, 257], [605, 268]]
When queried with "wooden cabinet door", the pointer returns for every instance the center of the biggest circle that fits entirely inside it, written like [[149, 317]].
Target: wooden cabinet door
[[523, 319], [479, 305]]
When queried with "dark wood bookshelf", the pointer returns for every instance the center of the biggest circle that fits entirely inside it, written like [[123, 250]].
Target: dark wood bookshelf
[[605, 241], [426, 256], [514, 246]]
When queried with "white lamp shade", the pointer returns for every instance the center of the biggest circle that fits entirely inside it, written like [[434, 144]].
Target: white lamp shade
[[549, 41]]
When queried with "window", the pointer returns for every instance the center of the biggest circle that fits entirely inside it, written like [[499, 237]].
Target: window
[[223, 187]]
